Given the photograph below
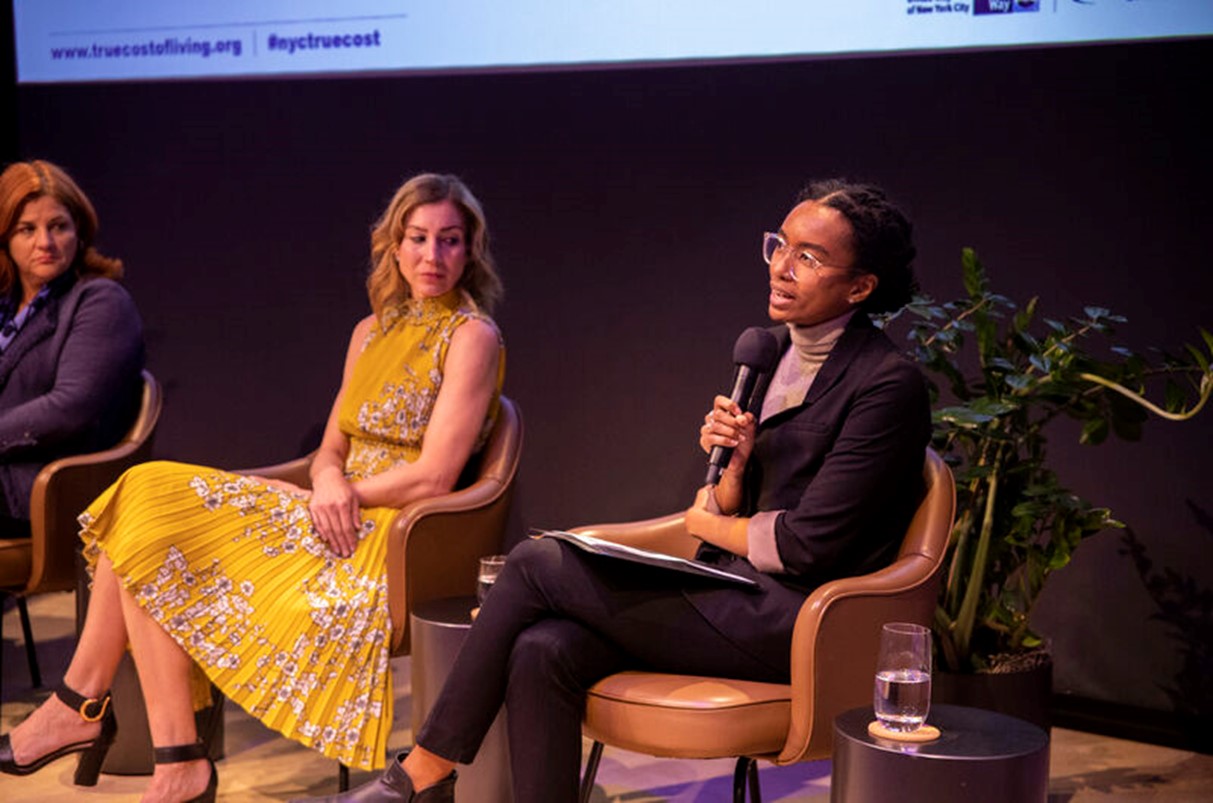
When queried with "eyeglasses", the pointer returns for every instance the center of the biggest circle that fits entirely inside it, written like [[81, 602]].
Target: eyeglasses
[[803, 263]]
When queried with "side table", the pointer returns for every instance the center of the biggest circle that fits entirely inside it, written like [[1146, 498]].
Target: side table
[[438, 629], [980, 755]]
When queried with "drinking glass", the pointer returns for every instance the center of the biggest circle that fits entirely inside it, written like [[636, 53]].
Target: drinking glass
[[490, 567], [902, 695]]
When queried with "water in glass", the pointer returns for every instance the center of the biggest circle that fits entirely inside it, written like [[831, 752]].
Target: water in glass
[[484, 584], [902, 699], [490, 567], [902, 693]]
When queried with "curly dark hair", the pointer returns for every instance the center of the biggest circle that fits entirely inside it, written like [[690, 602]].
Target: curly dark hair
[[881, 237]]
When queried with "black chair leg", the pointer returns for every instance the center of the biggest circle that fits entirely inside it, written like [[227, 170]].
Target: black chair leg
[[755, 789], [591, 771], [31, 651], [343, 778], [746, 774]]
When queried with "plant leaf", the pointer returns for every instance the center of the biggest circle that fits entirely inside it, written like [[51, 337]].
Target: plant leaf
[[961, 416], [1094, 431], [973, 274], [1200, 358]]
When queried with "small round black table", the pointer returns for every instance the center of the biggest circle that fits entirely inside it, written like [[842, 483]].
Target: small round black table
[[980, 756], [438, 629]]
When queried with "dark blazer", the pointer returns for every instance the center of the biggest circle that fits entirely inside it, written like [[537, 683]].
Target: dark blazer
[[845, 467], [69, 383]]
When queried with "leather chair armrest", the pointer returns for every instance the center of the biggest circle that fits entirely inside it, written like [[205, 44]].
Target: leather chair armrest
[[835, 642], [666, 534], [62, 490], [293, 471], [435, 545]]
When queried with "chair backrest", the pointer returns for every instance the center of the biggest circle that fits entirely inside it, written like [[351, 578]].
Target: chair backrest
[[436, 543], [66, 486], [837, 632]]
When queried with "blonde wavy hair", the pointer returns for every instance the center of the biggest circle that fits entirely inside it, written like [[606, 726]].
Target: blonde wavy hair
[[22, 182], [387, 287]]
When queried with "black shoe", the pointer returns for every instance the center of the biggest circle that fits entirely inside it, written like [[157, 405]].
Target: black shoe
[[191, 752], [92, 752], [393, 786]]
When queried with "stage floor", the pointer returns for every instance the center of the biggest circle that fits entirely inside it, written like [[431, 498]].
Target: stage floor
[[262, 766]]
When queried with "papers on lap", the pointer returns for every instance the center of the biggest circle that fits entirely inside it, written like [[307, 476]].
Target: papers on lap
[[597, 546]]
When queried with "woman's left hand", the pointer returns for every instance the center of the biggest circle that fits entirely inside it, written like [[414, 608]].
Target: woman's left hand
[[334, 511], [705, 521], [702, 515]]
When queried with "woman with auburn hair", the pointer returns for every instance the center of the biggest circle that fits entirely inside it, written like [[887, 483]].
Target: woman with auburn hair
[[71, 342], [278, 593]]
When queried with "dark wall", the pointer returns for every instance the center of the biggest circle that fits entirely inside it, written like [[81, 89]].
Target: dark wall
[[626, 208]]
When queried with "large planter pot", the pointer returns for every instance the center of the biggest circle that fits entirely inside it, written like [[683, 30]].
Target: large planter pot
[[1026, 693]]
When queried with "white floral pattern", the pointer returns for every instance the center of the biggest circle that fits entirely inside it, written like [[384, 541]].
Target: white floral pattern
[[231, 567]]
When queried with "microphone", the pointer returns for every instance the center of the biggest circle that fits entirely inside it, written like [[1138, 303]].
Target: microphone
[[755, 353]]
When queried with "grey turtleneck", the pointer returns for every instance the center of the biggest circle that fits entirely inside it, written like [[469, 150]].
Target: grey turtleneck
[[788, 388]]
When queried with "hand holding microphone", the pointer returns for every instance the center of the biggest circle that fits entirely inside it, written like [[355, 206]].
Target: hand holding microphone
[[754, 354]]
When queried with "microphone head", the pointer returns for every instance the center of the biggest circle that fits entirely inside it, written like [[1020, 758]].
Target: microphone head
[[756, 348]]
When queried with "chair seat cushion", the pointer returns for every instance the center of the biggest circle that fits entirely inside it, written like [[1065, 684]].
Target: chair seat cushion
[[687, 716], [16, 563]]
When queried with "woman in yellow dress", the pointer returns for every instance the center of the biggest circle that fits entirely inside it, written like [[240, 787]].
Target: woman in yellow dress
[[279, 593]]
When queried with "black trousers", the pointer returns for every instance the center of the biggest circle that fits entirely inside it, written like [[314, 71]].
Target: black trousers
[[556, 621]]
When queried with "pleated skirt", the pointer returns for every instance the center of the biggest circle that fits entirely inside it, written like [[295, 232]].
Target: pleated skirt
[[231, 568]]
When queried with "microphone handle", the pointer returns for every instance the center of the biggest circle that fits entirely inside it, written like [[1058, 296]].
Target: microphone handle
[[719, 457]]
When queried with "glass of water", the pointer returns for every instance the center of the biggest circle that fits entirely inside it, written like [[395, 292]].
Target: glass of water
[[902, 695], [490, 567]]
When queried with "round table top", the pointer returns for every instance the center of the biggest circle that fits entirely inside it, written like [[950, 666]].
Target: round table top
[[445, 612], [965, 733]]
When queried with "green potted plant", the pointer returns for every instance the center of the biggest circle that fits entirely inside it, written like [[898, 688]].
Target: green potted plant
[[1000, 374]]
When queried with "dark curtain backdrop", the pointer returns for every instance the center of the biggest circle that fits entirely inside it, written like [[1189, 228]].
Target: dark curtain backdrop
[[625, 208]]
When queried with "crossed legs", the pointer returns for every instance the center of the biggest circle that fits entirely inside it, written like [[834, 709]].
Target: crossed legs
[[556, 622], [113, 619]]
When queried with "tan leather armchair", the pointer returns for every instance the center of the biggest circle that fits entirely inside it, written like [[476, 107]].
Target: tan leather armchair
[[834, 647], [435, 544], [46, 561]]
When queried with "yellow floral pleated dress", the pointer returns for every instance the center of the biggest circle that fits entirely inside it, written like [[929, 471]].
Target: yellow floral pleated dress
[[232, 569]]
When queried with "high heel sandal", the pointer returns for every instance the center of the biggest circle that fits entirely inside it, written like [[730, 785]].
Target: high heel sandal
[[191, 752], [92, 752]]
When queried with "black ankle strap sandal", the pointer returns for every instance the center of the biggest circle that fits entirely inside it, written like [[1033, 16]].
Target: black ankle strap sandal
[[90, 709], [179, 753], [92, 752]]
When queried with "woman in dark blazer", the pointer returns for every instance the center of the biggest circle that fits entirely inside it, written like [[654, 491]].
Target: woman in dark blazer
[[824, 477], [71, 342]]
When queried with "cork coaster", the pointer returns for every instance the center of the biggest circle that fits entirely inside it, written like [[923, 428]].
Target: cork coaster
[[924, 733]]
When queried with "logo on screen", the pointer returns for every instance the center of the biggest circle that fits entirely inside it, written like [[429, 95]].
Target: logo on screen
[[1005, 6]]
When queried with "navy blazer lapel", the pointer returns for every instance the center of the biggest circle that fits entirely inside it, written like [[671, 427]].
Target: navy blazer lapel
[[38, 328], [858, 330], [853, 338]]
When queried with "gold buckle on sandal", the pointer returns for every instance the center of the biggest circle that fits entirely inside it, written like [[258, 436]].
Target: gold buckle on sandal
[[103, 702]]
